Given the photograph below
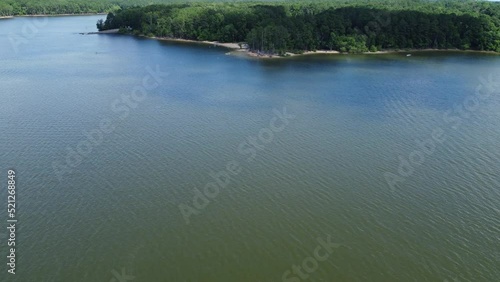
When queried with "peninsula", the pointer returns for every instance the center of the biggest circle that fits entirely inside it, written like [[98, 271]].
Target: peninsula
[[332, 26]]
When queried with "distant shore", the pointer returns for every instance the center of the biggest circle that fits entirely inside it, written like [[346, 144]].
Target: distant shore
[[53, 15], [236, 48], [108, 31], [382, 52], [395, 51]]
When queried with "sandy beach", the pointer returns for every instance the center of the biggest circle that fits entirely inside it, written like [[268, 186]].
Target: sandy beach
[[213, 43], [236, 48]]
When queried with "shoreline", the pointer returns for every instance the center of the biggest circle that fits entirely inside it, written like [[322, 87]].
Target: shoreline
[[52, 15], [108, 31], [234, 46], [382, 52], [395, 51], [236, 49]]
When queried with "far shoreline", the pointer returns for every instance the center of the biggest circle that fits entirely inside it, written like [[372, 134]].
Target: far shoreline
[[52, 15], [236, 49]]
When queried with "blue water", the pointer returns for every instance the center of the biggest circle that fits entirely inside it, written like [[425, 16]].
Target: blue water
[[115, 208]]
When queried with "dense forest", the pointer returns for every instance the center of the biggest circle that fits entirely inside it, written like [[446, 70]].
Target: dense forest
[[54, 7], [34, 7], [346, 26], [59, 7]]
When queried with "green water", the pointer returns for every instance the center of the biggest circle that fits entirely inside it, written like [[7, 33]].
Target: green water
[[322, 173]]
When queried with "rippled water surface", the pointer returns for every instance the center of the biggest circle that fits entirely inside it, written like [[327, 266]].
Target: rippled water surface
[[357, 123]]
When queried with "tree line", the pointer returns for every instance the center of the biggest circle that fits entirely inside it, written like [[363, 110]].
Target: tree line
[[358, 26], [54, 7], [49, 7]]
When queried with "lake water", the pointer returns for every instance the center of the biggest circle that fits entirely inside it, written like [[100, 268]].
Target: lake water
[[394, 159]]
